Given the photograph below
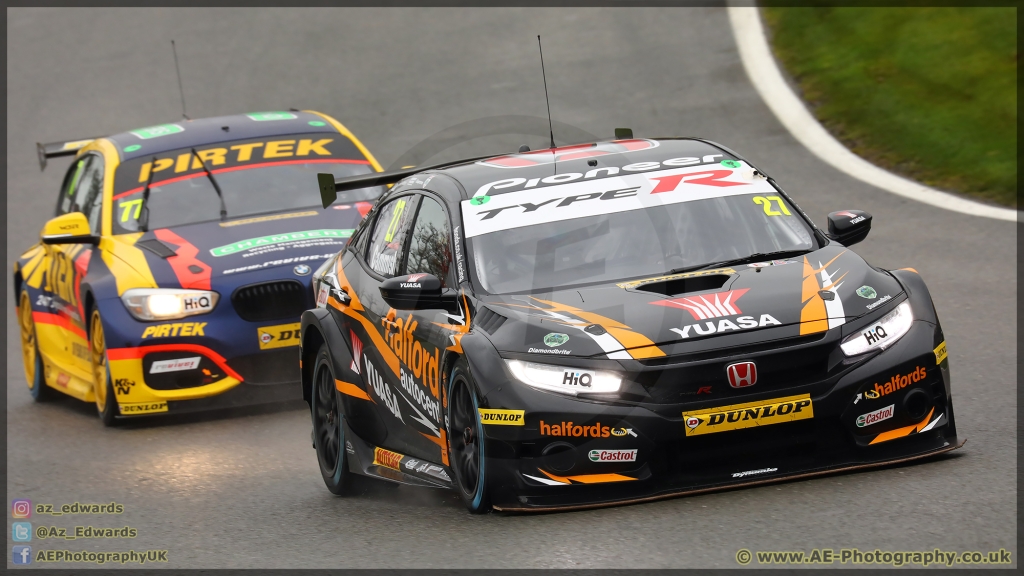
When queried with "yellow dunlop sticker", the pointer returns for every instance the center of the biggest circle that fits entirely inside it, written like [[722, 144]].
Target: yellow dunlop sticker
[[143, 408], [267, 218], [280, 336], [749, 415], [636, 283], [503, 417], [386, 458], [940, 353]]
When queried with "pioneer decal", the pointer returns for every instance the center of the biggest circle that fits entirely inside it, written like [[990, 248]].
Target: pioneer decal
[[622, 192]]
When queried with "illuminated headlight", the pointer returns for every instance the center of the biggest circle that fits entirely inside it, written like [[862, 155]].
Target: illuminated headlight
[[881, 334], [563, 379], [168, 303]]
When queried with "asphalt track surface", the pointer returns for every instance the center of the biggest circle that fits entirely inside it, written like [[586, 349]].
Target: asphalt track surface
[[245, 491]]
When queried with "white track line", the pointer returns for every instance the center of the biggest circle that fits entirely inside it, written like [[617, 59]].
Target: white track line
[[764, 74]]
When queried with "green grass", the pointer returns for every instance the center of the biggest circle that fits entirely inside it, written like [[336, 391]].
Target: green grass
[[930, 93]]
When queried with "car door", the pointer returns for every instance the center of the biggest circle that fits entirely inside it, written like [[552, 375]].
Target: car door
[[429, 332], [377, 342], [67, 264]]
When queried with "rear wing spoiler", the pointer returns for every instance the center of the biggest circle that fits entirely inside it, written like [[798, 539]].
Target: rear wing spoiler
[[56, 149], [330, 186]]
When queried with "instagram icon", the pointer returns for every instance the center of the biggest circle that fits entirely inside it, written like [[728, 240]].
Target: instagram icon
[[21, 508]]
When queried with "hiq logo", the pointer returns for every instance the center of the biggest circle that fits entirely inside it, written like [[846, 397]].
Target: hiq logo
[[875, 334], [577, 378], [21, 531], [21, 508], [21, 554]]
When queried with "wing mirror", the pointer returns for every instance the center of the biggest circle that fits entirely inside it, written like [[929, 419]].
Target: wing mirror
[[70, 228], [418, 292], [848, 226]]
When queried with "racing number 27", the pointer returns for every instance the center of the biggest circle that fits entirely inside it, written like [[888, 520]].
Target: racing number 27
[[766, 202]]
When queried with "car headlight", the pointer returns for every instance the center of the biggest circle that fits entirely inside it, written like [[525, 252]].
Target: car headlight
[[881, 334], [564, 380], [168, 303]]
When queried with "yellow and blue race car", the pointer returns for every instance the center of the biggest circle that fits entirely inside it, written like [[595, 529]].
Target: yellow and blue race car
[[178, 261]]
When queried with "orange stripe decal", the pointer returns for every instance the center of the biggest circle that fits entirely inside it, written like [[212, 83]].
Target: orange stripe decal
[[59, 321], [587, 478], [350, 389], [905, 431], [185, 262]]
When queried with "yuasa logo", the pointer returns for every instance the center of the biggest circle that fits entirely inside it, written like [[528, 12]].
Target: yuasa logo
[[613, 455], [719, 305], [176, 365], [381, 388], [705, 306], [876, 416], [357, 351], [742, 374]]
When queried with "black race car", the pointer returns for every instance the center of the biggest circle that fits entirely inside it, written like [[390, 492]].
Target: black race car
[[612, 322]]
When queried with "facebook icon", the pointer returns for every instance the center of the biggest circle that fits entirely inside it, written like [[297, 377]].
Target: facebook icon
[[21, 554]]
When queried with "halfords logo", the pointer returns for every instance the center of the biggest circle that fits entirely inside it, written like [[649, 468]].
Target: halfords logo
[[613, 455], [899, 382], [502, 417], [876, 416], [575, 431], [386, 458], [748, 415]]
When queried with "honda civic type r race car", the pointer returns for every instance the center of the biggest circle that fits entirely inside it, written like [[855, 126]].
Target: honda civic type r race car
[[178, 263], [612, 322]]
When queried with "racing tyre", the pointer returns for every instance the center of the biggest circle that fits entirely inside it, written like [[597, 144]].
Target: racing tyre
[[328, 432], [30, 357], [103, 388], [466, 440]]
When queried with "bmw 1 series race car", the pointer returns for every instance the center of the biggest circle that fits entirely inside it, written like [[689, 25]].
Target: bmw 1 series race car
[[174, 272], [612, 322]]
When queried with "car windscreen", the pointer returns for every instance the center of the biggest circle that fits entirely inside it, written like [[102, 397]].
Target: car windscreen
[[255, 176], [597, 241]]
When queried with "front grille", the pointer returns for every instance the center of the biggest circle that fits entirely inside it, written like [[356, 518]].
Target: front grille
[[270, 367], [780, 365], [275, 300]]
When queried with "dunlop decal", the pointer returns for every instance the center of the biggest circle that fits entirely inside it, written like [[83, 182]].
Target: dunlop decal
[[748, 415], [386, 458], [940, 353], [143, 408], [280, 336], [503, 417]]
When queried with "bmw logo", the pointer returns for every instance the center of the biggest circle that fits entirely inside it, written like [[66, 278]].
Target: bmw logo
[[302, 270]]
